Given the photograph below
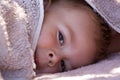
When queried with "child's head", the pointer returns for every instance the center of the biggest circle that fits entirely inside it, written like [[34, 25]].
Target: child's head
[[71, 37]]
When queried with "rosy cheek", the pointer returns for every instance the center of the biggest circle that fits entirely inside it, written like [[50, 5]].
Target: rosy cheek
[[47, 41]]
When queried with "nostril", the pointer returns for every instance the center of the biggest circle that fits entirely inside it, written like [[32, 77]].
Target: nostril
[[52, 59], [50, 63], [51, 55]]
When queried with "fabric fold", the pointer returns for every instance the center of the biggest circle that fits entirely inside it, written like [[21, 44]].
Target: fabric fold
[[20, 26], [109, 10]]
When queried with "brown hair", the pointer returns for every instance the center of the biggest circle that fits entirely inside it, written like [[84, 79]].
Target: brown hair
[[105, 32]]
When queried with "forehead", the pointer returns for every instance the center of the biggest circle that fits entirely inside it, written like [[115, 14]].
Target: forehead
[[73, 18], [70, 9]]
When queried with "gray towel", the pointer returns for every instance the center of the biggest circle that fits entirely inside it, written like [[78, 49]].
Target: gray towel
[[20, 24], [109, 10]]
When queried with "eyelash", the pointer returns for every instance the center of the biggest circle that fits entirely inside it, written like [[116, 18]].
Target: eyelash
[[61, 38], [62, 66], [61, 42]]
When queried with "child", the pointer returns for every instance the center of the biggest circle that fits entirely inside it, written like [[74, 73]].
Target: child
[[72, 36]]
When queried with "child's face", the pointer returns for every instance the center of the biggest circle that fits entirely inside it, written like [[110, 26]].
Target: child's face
[[67, 41]]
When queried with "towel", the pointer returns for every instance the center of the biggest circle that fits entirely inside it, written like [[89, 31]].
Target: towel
[[20, 25], [109, 10]]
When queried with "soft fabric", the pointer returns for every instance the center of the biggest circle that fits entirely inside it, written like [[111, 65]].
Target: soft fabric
[[109, 10], [108, 69], [20, 25]]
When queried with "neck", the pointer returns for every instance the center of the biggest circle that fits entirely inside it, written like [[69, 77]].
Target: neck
[[115, 43]]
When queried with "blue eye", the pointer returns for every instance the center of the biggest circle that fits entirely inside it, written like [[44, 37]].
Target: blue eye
[[60, 38]]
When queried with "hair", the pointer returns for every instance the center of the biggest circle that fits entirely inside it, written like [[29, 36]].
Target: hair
[[105, 32]]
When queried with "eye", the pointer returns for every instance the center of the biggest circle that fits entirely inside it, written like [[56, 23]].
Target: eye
[[62, 66], [61, 38]]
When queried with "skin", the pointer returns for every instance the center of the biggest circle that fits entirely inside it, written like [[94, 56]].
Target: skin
[[77, 46]]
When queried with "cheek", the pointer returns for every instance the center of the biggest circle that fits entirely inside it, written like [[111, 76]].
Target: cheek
[[86, 50], [87, 58], [47, 39], [81, 59], [39, 57]]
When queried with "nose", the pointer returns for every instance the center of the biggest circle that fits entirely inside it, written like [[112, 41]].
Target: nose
[[53, 59]]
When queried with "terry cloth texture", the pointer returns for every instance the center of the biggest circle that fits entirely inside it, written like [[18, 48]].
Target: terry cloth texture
[[20, 25], [109, 10]]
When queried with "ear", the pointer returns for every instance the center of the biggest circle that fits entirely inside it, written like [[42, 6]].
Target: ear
[[47, 4]]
